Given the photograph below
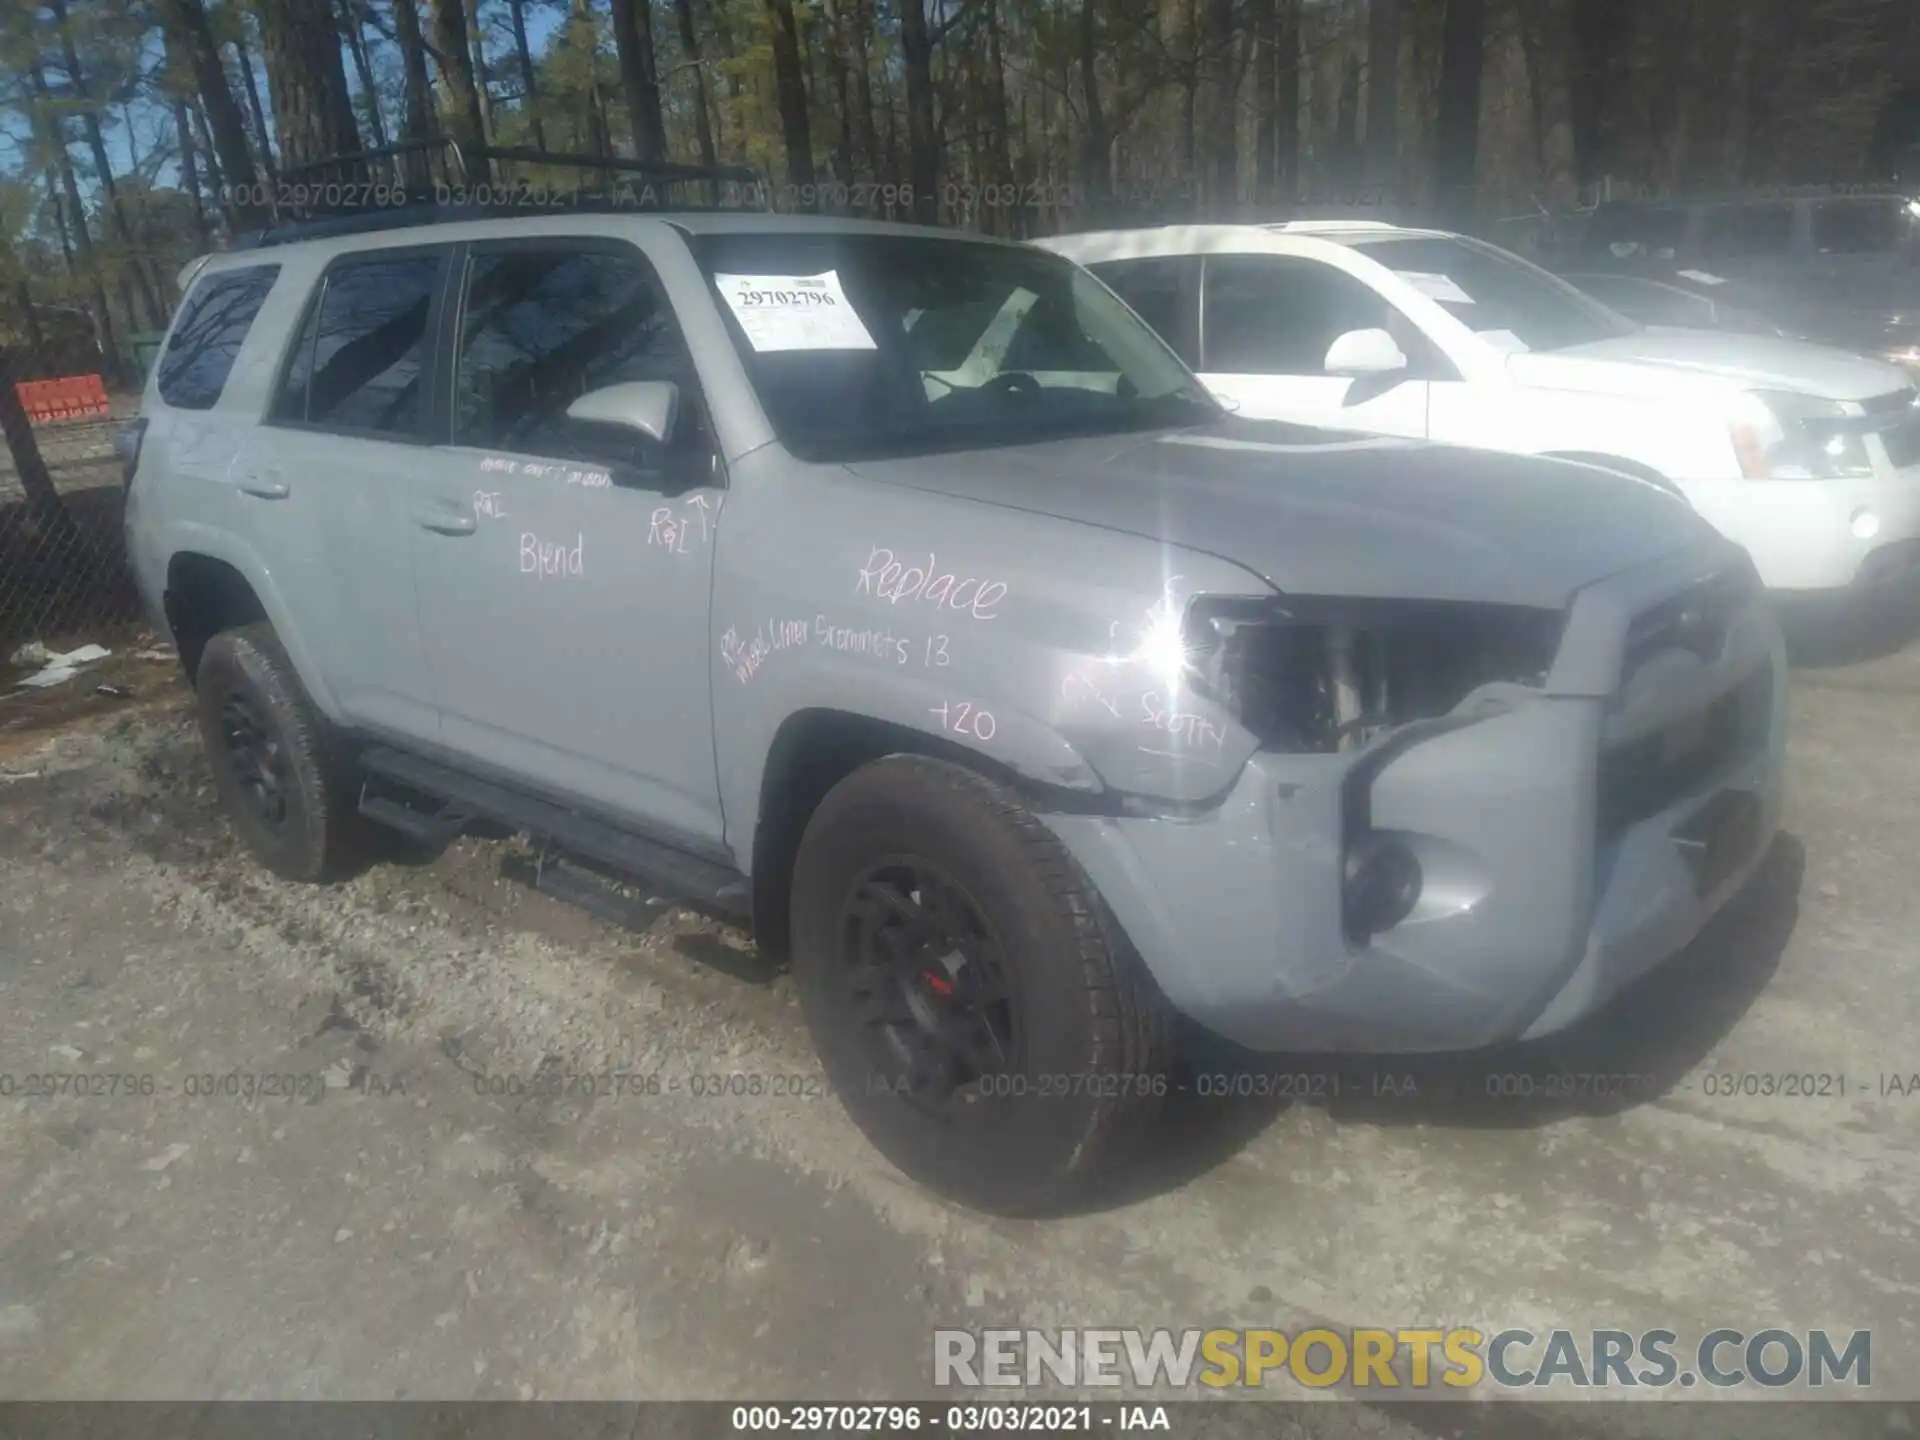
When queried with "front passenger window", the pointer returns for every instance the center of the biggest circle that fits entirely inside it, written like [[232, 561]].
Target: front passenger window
[[542, 326], [1279, 315]]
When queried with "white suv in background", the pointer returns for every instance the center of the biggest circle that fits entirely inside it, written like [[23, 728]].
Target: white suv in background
[[1808, 456]]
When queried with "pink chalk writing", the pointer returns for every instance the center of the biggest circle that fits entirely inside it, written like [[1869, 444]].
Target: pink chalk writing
[[888, 579]]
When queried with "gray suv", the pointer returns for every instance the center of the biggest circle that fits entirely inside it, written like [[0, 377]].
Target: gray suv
[[902, 595]]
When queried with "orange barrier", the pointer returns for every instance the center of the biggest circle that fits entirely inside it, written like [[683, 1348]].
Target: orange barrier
[[69, 398]]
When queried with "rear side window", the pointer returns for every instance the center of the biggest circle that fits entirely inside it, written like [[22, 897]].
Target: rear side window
[[1862, 227], [214, 322], [362, 360], [1737, 232]]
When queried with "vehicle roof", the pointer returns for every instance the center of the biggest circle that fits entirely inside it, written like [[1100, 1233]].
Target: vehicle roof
[[1152, 240], [689, 222]]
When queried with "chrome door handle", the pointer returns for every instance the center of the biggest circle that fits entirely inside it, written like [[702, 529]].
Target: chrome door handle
[[265, 488]]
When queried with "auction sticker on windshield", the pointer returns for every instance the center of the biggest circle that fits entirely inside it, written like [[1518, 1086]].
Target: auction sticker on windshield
[[794, 312]]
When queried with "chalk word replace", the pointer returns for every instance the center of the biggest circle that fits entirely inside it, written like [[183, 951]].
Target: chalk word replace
[[488, 505], [551, 558], [675, 530], [888, 579], [745, 656], [962, 717], [1183, 725]]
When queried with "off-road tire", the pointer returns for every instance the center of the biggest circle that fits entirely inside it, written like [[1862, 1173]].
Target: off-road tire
[[319, 834], [1093, 1058]]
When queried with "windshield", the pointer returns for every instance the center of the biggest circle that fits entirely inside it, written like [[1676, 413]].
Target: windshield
[[1498, 296], [862, 345]]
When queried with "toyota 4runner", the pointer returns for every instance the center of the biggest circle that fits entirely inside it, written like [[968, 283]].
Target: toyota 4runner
[[902, 595]]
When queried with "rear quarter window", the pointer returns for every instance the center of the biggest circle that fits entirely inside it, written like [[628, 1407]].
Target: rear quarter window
[[213, 324]]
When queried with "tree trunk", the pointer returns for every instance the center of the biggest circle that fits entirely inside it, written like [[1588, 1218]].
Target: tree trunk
[[262, 137], [1383, 86], [1286, 98], [1000, 124], [790, 88], [453, 53], [216, 181], [22, 443], [702, 103], [530, 90], [363, 68], [1599, 70], [417, 120], [1095, 167], [923, 137], [190, 170], [861, 62], [1221, 172], [1266, 80], [1457, 125], [481, 90], [840, 75], [150, 309], [639, 77], [1546, 37], [81, 260], [187, 27], [307, 82]]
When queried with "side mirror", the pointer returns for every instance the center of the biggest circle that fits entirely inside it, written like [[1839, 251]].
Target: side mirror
[[648, 406], [1361, 353]]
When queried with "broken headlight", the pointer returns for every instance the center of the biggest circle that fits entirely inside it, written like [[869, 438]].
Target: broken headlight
[[1329, 675]]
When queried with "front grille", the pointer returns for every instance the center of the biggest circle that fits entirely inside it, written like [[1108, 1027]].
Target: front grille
[[1648, 774]]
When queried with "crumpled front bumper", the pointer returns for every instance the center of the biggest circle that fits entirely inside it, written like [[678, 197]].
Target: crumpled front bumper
[[1542, 897]]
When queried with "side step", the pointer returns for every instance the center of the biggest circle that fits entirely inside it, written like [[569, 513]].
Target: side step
[[697, 880]]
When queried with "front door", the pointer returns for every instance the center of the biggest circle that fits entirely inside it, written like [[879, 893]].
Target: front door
[[1267, 322], [564, 570]]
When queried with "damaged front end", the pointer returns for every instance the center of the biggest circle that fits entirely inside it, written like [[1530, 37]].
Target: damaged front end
[[1425, 847]]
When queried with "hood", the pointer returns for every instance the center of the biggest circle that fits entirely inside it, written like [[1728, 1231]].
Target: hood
[[1756, 362], [1314, 512]]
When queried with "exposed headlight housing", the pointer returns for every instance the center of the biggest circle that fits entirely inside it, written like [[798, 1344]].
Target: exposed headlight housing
[[1783, 435], [1327, 675]]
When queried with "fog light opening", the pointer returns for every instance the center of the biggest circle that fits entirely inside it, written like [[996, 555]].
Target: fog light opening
[[1865, 524], [1380, 886]]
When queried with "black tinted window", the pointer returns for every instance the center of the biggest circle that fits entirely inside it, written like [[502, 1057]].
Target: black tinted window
[[199, 354], [1155, 290], [362, 361], [540, 328], [1276, 315], [1861, 227], [1741, 231]]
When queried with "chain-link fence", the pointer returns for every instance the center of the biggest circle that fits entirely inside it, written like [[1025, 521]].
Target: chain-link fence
[[63, 566]]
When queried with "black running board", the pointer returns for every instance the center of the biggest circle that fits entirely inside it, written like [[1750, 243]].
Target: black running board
[[692, 879]]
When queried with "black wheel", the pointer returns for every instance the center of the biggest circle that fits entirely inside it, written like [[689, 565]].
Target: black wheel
[[978, 1012], [270, 759]]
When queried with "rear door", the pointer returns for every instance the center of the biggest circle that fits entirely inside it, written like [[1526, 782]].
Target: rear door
[[323, 488], [1266, 325], [565, 570]]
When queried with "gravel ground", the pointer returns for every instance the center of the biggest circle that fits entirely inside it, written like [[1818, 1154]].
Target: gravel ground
[[392, 1229]]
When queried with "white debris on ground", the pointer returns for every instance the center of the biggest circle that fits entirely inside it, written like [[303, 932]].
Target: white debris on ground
[[56, 667]]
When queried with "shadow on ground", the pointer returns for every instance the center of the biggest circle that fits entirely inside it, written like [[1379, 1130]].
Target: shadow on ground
[[1635, 1049]]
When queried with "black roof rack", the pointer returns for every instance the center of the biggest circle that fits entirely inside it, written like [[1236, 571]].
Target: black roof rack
[[437, 182]]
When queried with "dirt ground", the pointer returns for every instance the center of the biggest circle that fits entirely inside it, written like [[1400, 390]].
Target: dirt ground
[[393, 1227]]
